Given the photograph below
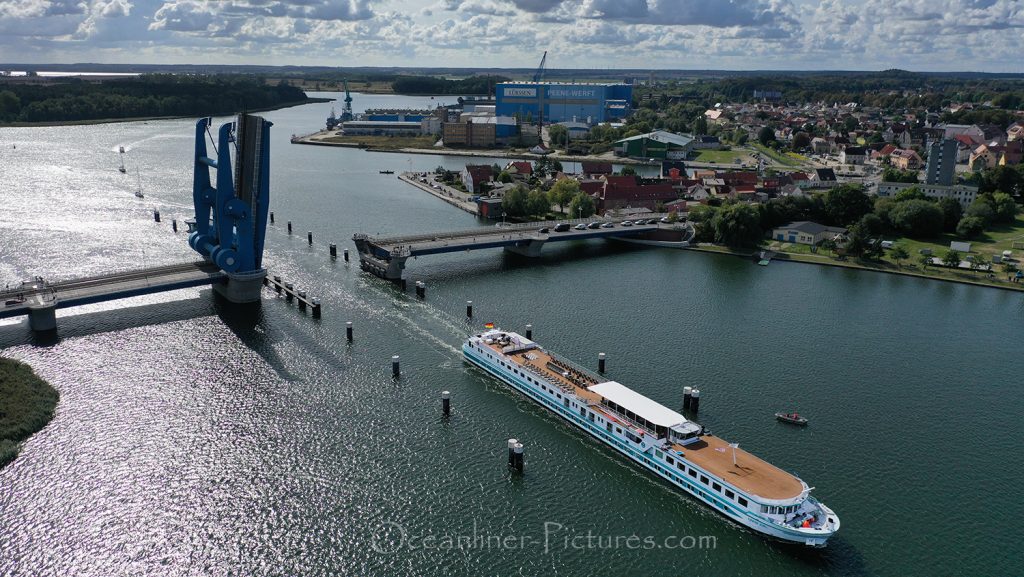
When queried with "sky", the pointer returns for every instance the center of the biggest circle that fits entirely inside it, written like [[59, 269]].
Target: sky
[[921, 35]]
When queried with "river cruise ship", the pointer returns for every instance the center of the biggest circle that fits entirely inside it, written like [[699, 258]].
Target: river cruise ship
[[728, 479]]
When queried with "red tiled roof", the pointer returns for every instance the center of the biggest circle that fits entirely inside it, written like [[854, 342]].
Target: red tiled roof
[[597, 167], [523, 167]]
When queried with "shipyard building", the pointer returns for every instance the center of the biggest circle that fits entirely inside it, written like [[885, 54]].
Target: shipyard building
[[552, 102]]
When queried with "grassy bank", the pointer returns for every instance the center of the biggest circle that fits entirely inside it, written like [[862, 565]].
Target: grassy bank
[[779, 158], [801, 253], [26, 406], [724, 156]]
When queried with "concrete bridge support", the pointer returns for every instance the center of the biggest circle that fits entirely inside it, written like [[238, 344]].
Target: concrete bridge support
[[242, 287], [43, 318], [530, 248], [386, 269]]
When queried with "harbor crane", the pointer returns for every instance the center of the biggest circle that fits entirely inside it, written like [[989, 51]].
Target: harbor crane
[[346, 112], [539, 74]]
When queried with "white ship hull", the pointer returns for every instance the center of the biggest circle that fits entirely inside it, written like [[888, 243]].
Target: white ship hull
[[647, 458]]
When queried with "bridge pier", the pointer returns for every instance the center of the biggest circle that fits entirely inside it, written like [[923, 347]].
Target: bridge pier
[[244, 287], [529, 248], [43, 318]]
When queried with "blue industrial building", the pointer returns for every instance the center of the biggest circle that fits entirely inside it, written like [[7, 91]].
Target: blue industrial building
[[561, 102]]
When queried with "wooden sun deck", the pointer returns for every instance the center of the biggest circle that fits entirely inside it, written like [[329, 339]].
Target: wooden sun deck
[[539, 363], [750, 473]]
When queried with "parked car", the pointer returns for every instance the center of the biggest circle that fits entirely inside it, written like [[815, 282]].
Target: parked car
[[594, 224], [580, 226], [544, 230], [607, 225], [562, 227], [627, 223]]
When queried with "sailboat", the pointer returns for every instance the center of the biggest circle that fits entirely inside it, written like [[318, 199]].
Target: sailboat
[[138, 191], [121, 168]]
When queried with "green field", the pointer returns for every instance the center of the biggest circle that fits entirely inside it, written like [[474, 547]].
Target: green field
[[724, 156], [992, 242], [26, 406]]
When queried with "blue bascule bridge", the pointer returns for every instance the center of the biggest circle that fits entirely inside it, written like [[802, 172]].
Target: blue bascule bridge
[[231, 217], [229, 232]]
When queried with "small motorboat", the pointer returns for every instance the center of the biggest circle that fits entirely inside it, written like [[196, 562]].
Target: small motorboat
[[387, 172], [791, 418]]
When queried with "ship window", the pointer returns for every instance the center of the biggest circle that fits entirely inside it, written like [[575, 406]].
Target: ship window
[[730, 494], [670, 460], [703, 479], [618, 430], [692, 473], [764, 508], [716, 487], [742, 501], [608, 427]]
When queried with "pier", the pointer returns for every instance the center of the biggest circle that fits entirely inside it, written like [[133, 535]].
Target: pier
[[386, 256]]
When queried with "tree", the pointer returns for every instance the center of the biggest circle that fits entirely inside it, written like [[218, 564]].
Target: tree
[[581, 205], [504, 176], [952, 212], [846, 203], [910, 193], [951, 258], [627, 171], [801, 140], [766, 135], [537, 203], [917, 218], [925, 260], [738, 225], [740, 136], [893, 174], [898, 254], [981, 208], [673, 217], [563, 192], [514, 202], [1004, 208], [559, 134], [970, 227], [700, 126]]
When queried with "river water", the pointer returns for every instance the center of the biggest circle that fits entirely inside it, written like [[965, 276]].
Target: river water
[[192, 439]]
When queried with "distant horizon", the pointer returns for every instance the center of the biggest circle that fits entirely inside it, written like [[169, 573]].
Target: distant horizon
[[56, 66]]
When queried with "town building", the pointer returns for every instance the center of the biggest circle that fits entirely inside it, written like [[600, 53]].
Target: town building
[[658, 144], [520, 169], [620, 192], [853, 155], [963, 194], [906, 159], [475, 175], [807, 232], [468, 134], [553, 102], [941, 162]]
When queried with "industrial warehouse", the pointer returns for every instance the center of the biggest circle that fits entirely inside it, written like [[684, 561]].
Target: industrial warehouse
[[552, 102]]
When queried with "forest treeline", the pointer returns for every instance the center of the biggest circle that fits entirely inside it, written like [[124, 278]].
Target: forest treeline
[[145, 96]]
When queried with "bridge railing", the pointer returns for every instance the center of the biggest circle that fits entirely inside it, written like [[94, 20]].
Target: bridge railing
[[498, 230]]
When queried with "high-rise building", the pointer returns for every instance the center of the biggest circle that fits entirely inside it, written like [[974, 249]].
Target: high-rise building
[[941, 166]]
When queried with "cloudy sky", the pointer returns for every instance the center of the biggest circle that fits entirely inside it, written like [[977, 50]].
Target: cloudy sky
[[979, 35]]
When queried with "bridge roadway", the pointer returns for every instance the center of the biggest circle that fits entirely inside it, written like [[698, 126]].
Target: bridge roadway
[[386, 256], [39, 298]]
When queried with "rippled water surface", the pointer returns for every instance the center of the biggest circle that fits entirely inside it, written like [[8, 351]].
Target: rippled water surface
[[195, 438]]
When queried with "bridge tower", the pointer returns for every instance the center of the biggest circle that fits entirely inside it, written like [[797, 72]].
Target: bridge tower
[[231, 218]]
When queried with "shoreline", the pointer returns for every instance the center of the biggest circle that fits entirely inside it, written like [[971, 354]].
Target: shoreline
[[804, 259], [310, 100], [454, 202], [488, 153], [27, 405]]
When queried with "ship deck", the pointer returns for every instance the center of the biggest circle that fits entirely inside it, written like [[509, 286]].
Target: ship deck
[[750, 474]]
